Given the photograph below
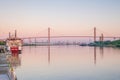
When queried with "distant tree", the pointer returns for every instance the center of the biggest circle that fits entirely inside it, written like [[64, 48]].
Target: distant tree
[[2, 42]]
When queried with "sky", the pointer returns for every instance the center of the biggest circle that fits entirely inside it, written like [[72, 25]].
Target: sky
[[64, 17]]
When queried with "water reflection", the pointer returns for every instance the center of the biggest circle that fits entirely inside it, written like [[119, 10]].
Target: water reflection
[[48, 54], [95, 55], [7, 64], [102, 51], [14, 60], [68, 63]]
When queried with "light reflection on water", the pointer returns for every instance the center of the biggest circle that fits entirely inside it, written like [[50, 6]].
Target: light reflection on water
[[69, 63]]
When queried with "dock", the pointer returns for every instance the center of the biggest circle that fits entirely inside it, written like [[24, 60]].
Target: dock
[[6, 70]]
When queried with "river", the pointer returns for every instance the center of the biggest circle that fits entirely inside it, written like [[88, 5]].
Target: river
[[68, 63]]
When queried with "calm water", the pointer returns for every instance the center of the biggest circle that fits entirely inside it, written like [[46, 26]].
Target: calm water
[[68, 63]]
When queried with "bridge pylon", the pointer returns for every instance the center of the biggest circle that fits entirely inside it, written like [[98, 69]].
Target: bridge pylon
[[48, 36], [94, 34]]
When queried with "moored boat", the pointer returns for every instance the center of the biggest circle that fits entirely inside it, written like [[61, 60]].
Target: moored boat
[[14, 44]]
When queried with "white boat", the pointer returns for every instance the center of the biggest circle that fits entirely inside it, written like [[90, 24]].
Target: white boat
[[14, 44]]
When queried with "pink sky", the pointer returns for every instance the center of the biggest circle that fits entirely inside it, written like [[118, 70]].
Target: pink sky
[[32, 18]]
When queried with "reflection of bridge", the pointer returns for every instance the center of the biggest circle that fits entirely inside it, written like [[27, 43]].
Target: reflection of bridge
[[94, 54]]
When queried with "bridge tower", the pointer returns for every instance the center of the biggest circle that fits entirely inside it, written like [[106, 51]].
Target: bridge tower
[[49, 36], [9, 34], [15, 33], [102, 37], [94, 34]]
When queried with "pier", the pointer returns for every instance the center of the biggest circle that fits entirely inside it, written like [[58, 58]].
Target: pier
[[6, 68]]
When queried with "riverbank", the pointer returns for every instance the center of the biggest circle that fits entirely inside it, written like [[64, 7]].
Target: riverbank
[[115, 43], [2, 42]]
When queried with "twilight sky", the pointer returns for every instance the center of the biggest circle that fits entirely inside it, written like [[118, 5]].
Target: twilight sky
[[66, 17]]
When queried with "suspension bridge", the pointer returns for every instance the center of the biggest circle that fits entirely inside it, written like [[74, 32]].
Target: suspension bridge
[[48, 37]]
